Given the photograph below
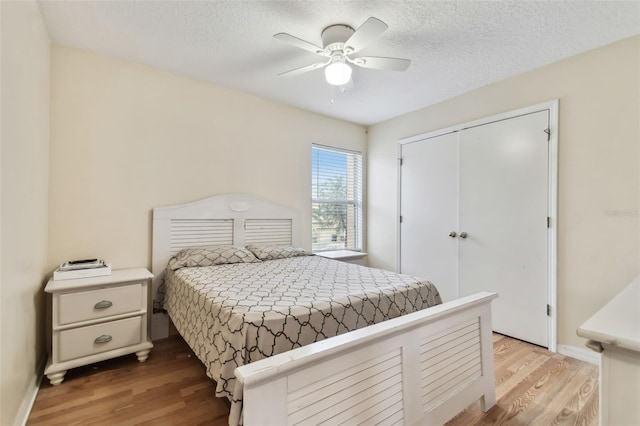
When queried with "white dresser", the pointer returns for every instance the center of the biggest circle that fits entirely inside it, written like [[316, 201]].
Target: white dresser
[[615, 332], [93, 319]]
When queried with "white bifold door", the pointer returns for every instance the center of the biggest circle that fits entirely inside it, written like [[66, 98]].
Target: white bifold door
[[474, 207]]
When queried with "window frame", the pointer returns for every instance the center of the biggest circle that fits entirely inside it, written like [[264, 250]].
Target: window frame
[[357, 229]]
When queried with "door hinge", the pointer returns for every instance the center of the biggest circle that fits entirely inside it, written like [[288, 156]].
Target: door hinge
[[548, 310], [401, 219], [400, 161], [548, 132], [548, 222]]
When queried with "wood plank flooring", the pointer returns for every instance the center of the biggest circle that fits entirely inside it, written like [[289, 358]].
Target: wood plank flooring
[[537, 387], [533, 386], [170, 388]]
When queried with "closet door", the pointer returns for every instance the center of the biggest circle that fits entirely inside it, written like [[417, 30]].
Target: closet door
[[429, 210], [503, 210]]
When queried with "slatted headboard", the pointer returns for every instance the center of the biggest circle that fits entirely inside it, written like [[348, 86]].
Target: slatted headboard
[[232, 219]]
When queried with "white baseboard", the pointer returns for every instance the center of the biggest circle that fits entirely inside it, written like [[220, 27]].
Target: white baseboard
[[583, 354], [31, 394]]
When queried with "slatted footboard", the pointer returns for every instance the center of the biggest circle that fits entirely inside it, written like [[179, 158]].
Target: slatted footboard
[[421, 368]]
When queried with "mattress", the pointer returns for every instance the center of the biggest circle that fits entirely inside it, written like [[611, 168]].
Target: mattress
[[234, 314]]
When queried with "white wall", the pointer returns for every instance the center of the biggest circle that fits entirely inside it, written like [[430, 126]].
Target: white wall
[[126, 138], [599, 171], [24, 154]]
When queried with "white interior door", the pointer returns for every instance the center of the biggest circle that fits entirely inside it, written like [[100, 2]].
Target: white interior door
[[429, 210], [503, 209]]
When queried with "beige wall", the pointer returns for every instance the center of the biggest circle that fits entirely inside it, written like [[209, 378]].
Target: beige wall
[[24, 154], [126, 138], [599, 93]]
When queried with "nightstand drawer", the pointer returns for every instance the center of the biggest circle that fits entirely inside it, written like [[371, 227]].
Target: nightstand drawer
[[93, 339], [93, 304]]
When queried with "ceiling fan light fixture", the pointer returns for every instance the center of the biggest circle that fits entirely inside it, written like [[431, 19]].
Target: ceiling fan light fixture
[[339, 42], [338, 73]]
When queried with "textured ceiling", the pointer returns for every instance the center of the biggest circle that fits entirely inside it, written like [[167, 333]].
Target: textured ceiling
[[454, 46]]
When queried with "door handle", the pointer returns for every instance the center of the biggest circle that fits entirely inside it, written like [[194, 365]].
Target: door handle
[[452, 234], [463, 235]]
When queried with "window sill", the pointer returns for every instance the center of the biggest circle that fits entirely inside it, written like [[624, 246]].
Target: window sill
[[342, 254]]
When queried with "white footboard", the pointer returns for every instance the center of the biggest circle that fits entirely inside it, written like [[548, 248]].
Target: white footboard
[[421, 368]]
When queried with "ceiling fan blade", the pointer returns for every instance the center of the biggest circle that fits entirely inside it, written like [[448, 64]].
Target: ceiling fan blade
[[367, 32], [386, 64], [304, 69], [302, 44]]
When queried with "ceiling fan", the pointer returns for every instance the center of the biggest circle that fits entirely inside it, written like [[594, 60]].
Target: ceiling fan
[[339, 43]]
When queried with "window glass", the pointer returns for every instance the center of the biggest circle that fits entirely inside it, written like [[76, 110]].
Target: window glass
[[336, 191]]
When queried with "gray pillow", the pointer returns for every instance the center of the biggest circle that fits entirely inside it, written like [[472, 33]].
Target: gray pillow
[[209, 256], [277, 252]]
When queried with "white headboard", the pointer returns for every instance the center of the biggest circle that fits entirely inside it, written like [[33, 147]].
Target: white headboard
[[232, 219]]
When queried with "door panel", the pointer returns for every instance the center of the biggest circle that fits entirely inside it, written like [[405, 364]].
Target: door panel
[[503, 208], [429, 209]]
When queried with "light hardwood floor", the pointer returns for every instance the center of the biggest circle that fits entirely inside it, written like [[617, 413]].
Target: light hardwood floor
[[537, 387], [533, 387]]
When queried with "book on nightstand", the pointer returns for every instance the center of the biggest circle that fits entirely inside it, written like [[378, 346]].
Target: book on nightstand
[[83, 268]]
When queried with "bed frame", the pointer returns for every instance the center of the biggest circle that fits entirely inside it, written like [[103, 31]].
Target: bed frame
[[232, 219], [421, 368]]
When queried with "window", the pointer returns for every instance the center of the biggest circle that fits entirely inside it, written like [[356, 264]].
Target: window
[[336, 191]]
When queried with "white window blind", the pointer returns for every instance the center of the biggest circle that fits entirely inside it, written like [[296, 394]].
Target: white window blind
[[336, 188]]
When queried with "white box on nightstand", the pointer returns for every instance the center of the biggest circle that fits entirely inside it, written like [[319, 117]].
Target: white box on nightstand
[[98, 318]]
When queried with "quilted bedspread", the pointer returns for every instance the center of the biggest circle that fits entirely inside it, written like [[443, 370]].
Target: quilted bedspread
[[234, 314]]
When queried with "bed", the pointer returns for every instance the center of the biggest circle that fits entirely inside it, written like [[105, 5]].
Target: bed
[[270, 319]]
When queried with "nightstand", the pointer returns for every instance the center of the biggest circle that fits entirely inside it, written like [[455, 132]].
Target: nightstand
[[97, 318]]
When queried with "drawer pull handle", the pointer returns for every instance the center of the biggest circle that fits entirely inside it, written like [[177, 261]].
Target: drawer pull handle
[[594, 346], [105, 338], [103, 304]]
